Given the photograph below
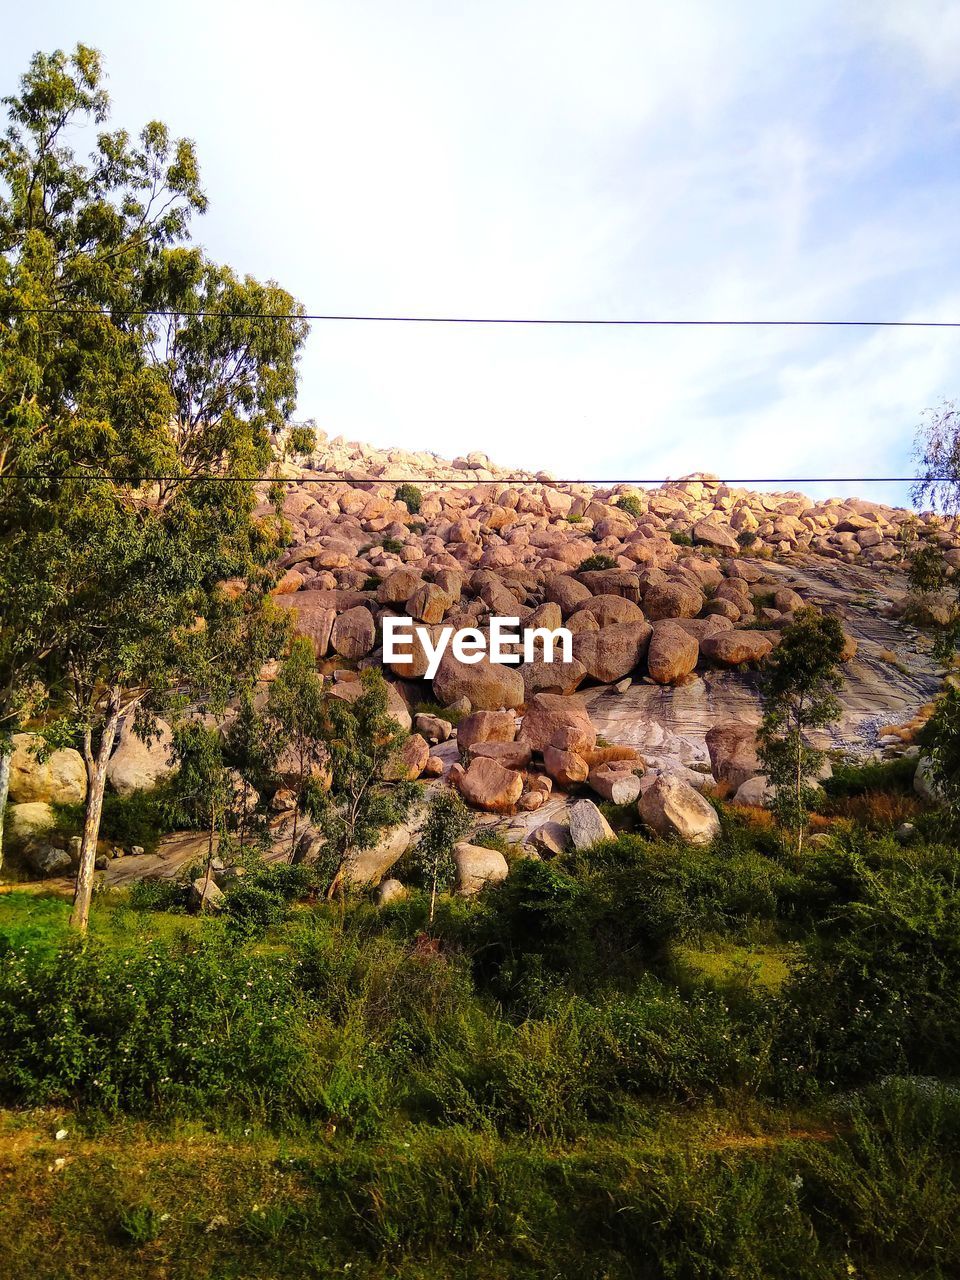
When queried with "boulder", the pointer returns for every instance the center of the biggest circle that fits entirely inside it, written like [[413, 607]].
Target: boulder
[[612, 652], [588, 826], [672, 600], [353, 633], [551, 838], [138, 765], [733, 752], [486, 726], [477, 867], [616, 781], [551, 677], [565, 768], [362, 867], [610, 610], [710, 534], [61, 778], [433, 728], [409, 762], [489, 786], [205, 895], [672, 653], [311, 618], [756, 792], [671, 807], [567, 592], [389, 891], [512, 755], [47, 859], [488, 685], [554, 720], [732, 648]]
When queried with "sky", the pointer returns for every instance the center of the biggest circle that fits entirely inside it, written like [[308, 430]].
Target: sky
[[603, 158]]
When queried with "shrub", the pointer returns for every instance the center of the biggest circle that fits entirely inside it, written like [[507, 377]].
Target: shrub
[[574, 518], [681, 539], [393, 545], [747, 537], [599, 561], [632, 504], [411, 497]]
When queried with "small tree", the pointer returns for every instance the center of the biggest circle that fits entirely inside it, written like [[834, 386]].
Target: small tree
[[937, 454], [448, 820], [942, 733], [297, 708], [411, 497], [203, 792], [362, 738], [250, 747], [926, 569], [799, 684]]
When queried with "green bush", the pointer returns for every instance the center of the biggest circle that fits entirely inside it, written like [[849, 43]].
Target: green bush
[[681, 539], [598, 561], [632, 504], [411, 497]]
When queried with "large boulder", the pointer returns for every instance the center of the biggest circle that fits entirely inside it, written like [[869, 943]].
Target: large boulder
[[552, 720], [551, 677], [733, 648], [611, 610], [409, 762], [711, 534], [588, 826], [26, 822], [312, 618], [488, 685], [477, 867], [60, 778], [362, 867], [139, 765], [672, 808], [567, 592], [672, 654], [353, 633], [616, 780], [490, 786], [47, 859], [672, 600], [733, 752], [486, 726], [612, 652]]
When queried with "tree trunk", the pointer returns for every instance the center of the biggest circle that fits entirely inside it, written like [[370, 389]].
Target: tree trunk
[[800, 822], [96, 783], [6, 755]]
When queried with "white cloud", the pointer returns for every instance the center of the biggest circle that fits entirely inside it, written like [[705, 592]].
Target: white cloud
[[557, 158]]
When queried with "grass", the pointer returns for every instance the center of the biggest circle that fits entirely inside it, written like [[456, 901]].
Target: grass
[[442, 713], [623, 1063]]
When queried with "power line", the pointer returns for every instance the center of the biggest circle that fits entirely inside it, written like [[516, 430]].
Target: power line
[[487, 320], [438, 480]]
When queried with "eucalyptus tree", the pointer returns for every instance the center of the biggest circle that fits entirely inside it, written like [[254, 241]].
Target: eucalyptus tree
[[140, 386], [800, 682]]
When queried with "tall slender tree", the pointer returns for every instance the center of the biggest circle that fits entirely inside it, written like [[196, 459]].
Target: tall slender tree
[[140, 385], [800, 682]]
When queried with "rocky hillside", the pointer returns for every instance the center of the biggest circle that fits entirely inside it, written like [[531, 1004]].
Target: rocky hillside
[[674, 595]]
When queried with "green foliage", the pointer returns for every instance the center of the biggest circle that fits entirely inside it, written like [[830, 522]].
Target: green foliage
[[393, 545], [798, 688], [926, 569], [598, 561], [574, 518], [302, 439], [632, 504], [449, 714], [680, 539], [411, 497], [448, 820], [874, 775], [747, 538], [361, 739]]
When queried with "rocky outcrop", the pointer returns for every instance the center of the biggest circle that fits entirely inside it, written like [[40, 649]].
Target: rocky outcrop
[[139, 764], [671, 807], [46, 777], [476, 868]]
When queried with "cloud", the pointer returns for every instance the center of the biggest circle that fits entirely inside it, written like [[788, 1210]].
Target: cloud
[[558, 158]]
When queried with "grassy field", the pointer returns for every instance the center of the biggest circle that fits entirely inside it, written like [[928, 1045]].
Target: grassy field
[[645, 1061]]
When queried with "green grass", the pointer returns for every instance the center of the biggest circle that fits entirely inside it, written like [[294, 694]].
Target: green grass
[[625, 1063]]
